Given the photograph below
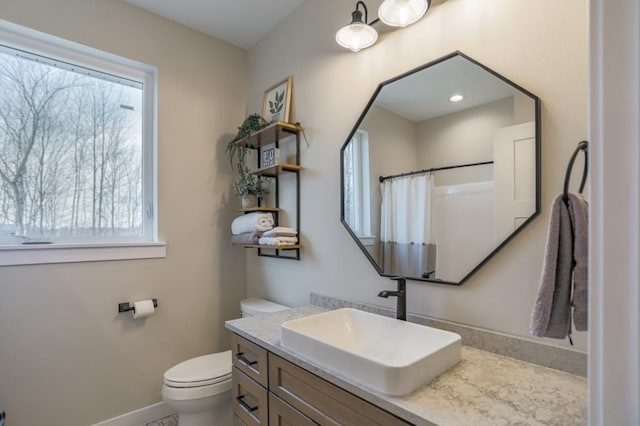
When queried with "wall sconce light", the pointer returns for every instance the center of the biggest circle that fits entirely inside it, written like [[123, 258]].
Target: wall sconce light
[[360, 34], [400, 13]]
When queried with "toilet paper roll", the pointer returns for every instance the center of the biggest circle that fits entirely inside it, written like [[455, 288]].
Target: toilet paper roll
[[143, 308]]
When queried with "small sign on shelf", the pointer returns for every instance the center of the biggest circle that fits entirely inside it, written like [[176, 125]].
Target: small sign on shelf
[[270, 156]]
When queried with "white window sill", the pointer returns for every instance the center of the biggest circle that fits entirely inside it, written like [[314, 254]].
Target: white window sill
[[11, 255]]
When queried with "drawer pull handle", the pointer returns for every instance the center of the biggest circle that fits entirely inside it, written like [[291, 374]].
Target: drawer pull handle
[[246, 406], [240, 356]]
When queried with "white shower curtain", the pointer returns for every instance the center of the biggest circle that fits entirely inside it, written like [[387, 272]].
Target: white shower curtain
[[406, 214]]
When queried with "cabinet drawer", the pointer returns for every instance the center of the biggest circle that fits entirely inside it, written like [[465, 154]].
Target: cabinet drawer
[[282, 414], [250, 402], [321, 401], [237, 421], [250, 358]]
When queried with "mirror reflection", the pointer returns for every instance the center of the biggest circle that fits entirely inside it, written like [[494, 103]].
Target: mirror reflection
[[441, 170]]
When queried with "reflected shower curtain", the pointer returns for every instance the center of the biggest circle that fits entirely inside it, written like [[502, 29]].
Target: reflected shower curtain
[[406, 234]]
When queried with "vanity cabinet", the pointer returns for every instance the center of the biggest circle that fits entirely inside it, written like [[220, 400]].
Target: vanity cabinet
[[277, 149], [281, 393]]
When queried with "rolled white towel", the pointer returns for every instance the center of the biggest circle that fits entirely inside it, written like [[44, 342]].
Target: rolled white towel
[[281, 231], [252, 222], [277, 241]]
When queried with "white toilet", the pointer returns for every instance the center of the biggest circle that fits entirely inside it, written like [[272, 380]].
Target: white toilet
[[199, 389]]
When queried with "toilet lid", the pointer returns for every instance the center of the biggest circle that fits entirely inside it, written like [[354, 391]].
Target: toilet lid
[[201, 371]]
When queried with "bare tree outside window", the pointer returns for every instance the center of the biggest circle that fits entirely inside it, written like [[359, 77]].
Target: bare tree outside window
[[70, 153]]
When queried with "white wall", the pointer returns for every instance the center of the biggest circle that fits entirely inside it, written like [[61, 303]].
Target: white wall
[[614, 293], [66, 356], [540, 45]]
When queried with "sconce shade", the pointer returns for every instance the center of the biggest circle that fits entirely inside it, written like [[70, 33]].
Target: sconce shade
[[358, 34], [400, 13]]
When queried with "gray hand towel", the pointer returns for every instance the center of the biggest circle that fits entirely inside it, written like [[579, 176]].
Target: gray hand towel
[[248, 238], [551, 313], [579, 213]]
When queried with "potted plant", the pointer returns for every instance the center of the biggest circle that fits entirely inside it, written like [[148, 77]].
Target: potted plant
[[248, 186]]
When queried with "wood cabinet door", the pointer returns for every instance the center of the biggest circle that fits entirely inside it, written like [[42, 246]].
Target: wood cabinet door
[[282, 414], [321, 401], [250, 401]]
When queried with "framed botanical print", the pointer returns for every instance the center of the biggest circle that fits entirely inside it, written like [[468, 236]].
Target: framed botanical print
[[277, 101]]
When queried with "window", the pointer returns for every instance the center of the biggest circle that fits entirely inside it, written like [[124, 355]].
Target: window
[[357, 186], [76, 145]]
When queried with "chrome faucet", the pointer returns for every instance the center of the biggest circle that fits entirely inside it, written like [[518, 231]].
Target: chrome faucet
[[401, 294]]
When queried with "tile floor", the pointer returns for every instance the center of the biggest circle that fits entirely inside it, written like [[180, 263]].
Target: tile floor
[[171, 420]]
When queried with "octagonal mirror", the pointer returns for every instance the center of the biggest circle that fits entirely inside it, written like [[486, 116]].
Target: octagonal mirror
[[441, 170]]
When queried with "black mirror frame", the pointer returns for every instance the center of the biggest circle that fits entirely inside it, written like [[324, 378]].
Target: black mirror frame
[[538, 167]]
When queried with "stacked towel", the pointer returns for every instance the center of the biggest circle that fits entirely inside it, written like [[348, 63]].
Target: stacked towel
[[252, 222], [278, 241], [566, 255], [279, 236], [281, 231]]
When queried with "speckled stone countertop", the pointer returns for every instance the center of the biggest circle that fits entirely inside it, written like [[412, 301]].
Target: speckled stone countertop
[[482, 389]]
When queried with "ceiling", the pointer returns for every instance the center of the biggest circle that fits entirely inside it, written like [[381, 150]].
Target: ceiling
[[240, 22], [425, 94]]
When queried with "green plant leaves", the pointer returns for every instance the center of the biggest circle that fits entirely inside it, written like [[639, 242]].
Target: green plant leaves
[[236, 152], [276, 106]]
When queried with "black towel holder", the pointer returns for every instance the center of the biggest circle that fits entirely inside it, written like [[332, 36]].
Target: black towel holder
[[583, 146]]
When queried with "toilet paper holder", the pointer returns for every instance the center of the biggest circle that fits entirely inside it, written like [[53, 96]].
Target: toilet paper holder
[[126, 306]]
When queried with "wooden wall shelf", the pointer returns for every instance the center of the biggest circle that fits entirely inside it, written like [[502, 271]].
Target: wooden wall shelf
[[269, 134], [274, 134], [277, 169], [262, 246], [258, 209]]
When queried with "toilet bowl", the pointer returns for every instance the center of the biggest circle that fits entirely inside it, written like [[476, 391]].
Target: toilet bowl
[[199, 389]]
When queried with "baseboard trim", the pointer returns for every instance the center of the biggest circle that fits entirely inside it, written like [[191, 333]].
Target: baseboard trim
[[140, 417]]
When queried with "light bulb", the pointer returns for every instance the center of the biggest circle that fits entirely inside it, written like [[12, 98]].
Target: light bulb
[[356, 36], [400, 13]]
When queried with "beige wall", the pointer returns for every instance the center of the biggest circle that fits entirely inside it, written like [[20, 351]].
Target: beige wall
[[461, 138], [66, 356], [540, 45]]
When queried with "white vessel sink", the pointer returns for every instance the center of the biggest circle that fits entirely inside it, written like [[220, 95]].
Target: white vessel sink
[[387, 355]]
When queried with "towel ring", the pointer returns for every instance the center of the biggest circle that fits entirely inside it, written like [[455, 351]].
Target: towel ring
[[584, 147]]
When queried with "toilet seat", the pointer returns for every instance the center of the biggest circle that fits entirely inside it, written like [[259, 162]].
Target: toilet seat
[[193, 393], [197, 384], [201, 371]]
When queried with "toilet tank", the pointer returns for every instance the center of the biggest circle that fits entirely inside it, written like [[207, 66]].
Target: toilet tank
[[253, 306]]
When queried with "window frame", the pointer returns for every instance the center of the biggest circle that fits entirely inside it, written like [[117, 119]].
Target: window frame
[[63, 250], [361, 176]]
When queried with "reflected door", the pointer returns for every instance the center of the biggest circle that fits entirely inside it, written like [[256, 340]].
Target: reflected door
[[514, 153]]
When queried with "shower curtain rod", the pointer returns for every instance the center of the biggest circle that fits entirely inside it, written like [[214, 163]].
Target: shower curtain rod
[[434, 169]]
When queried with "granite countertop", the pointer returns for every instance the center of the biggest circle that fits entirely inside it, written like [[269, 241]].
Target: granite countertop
[[483, 389]]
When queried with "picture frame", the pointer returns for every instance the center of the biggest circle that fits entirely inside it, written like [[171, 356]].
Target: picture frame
[[277, 101]]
